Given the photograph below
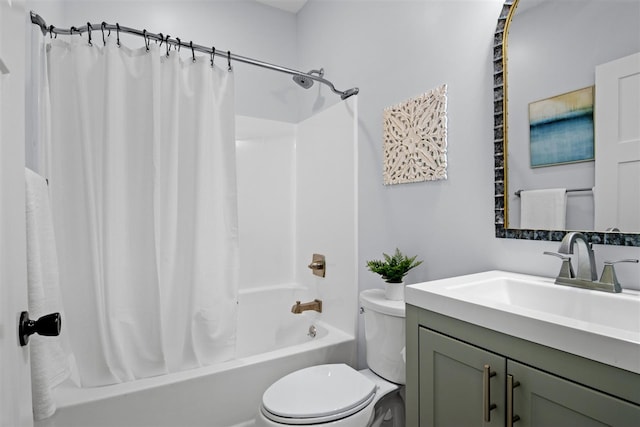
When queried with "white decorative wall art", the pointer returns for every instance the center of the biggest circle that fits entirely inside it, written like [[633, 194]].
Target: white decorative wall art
[[415, 139]]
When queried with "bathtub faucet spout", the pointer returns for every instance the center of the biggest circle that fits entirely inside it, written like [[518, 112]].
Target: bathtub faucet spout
[[299, 307]]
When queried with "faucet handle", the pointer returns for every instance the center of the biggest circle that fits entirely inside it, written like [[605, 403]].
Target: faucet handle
[[566, 269], [608, 275], [622, 260]]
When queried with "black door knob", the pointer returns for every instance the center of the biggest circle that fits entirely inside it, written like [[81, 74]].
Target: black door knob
[[48, 325]]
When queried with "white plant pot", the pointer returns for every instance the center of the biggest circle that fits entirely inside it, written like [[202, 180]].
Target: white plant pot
[[394, 291]]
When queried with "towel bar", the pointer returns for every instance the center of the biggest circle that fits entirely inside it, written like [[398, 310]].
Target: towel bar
[[573, 190]]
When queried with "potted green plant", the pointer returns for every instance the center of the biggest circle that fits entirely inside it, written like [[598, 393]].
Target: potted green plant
[[393, 269]]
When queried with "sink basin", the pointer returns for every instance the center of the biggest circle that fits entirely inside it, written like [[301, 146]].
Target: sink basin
[[593, 324], [596, 309]]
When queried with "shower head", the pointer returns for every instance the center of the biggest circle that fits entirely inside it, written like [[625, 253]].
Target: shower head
[[304, 80], [349, 92]]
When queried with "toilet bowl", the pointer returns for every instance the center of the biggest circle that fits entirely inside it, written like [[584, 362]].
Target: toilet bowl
[[338, 395]]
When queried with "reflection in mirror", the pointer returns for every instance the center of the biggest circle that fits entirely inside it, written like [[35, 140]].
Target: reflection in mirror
[[551, 48]]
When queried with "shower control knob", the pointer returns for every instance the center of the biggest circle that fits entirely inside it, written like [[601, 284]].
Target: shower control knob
[[48, 325], [318, 265]]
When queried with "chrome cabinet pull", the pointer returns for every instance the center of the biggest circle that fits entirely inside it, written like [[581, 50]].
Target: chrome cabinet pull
[[487, 406], [511, 384]]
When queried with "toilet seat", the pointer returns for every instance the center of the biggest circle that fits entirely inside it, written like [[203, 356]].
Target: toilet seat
[[318, 394]]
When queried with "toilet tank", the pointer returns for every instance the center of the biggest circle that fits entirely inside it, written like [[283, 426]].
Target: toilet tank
[[384, 326]]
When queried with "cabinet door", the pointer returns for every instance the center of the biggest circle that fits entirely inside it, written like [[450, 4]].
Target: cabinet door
[[541, 399], [454, 388]]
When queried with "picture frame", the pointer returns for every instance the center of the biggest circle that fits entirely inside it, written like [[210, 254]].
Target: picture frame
[[561, 129]]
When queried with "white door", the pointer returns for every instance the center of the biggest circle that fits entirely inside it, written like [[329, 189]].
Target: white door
[[617, 134], [15, 380]]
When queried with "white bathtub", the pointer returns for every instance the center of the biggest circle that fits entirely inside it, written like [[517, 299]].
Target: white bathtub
[[271, 343]]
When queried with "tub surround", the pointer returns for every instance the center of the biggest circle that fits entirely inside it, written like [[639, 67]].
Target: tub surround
[[297, 190]]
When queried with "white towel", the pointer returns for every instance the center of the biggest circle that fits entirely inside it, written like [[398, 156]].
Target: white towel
[[50, 364], [543, 209]]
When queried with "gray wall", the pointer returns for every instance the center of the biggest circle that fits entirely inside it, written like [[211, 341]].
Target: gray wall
[[394, 50], [391, 50]]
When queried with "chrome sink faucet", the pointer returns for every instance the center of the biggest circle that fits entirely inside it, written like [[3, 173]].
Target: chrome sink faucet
[[586, 276], [586, 259]]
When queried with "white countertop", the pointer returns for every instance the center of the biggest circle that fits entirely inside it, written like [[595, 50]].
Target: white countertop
[[597, 325]]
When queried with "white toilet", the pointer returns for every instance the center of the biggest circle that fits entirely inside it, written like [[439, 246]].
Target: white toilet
[[338, 395]]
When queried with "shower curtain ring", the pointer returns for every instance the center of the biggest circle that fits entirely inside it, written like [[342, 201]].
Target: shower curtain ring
[[104, 41], [179, 43], [146, 39], [51, 27], [229, 59], [193, 53], [89, 28], [168, 45], [72, 29], [213, 54], [161, 39], [118, 33]]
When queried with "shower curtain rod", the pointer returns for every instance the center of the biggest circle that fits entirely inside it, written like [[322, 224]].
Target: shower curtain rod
[[37, 20]]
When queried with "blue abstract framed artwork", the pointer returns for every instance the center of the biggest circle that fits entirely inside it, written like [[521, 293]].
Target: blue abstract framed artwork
[[561, 129]]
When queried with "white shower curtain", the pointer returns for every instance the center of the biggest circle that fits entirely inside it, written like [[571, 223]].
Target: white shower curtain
[[141, 168]]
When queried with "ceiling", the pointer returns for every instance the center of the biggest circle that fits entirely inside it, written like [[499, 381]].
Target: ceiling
[[292, 6]]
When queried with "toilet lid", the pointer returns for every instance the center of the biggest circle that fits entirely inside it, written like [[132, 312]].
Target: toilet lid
[[318, 394]]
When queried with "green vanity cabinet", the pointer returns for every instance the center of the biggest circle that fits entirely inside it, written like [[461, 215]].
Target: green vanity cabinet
[[542, 399], [452, 392], [460, 374]]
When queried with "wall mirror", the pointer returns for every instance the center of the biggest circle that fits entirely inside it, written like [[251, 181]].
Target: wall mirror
[[546, 48]]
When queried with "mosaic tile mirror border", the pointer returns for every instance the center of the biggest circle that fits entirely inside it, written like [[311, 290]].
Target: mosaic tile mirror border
[[500, 150]]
